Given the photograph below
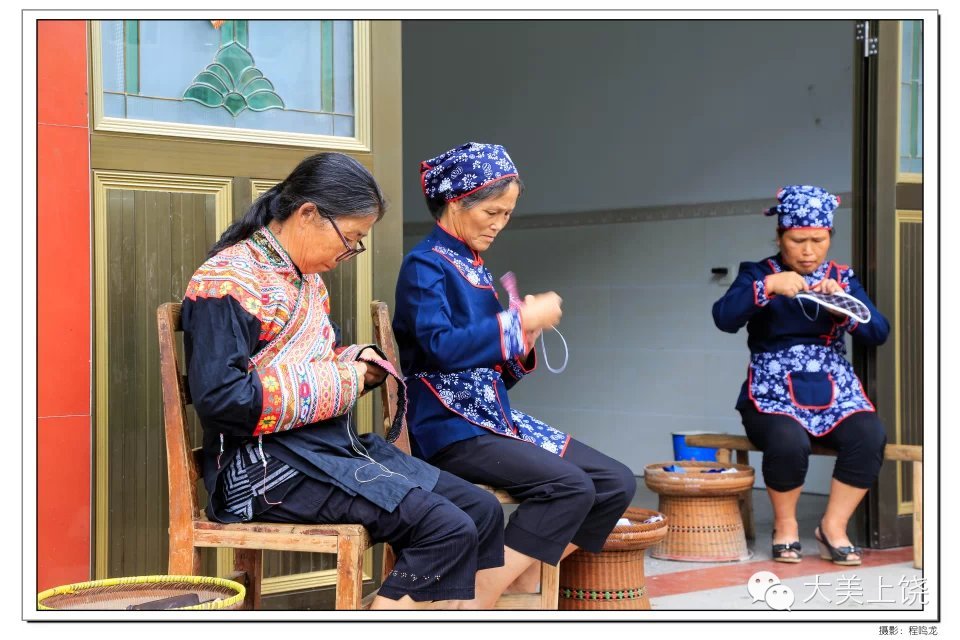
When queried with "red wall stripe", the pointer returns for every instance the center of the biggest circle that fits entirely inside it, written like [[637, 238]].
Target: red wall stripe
[[64, 427]]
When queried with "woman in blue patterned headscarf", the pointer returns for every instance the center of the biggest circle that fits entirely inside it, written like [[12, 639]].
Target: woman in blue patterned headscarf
[[461, 351], [800, 389]]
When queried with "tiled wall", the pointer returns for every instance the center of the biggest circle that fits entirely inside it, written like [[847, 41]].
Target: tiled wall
[[610, 116], [63, 305]]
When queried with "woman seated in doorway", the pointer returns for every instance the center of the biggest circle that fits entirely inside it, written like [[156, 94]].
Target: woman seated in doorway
[[800, 389], [274, 392], [461, 352]]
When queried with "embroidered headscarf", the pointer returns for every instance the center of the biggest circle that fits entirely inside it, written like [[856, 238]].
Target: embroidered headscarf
[[461, 171], [804, 206]]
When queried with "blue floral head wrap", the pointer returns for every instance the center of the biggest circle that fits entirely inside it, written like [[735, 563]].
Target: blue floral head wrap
[[804, 206], [461, 171]]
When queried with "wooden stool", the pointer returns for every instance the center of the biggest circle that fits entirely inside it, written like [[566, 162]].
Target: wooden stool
[[612, 579], [702, 509]]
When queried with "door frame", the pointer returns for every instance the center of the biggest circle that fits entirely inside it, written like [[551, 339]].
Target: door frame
[[144, 156]]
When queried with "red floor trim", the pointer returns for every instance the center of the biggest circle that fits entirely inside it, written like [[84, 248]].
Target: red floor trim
[[737, 574]]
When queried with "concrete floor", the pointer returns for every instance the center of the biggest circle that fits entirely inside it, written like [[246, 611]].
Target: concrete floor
[[885, 581]]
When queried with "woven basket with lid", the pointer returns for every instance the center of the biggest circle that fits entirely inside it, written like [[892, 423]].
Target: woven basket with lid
[[702, 509], [614, 578]]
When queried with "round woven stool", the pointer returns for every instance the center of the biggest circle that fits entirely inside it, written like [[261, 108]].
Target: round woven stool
[[612, 579], [702, 509], [150, 593]]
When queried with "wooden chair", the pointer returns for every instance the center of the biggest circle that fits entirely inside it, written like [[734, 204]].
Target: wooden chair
[[549, 574], [725, 443], [189, 527]]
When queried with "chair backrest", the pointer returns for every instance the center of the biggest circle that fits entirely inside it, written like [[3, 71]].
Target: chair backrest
[[383, 337], [183, 462]]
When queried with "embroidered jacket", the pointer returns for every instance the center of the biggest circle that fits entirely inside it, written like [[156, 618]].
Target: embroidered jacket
[[797, 364], [263, 361], [460, 350]]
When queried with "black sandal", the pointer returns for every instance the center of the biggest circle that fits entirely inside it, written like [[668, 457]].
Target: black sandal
[[837, 555], [778, 551]]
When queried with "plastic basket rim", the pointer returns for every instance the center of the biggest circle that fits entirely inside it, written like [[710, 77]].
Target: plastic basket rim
[[143, 580]]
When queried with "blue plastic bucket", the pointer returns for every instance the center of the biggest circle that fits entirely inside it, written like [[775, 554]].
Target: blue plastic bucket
[[682, 452]]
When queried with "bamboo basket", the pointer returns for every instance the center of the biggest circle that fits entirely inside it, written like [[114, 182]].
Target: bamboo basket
[[614, 578], [121, 593], [703, 511]]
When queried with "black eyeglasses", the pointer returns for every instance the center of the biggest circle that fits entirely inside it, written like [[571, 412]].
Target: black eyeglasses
[[350, 251]]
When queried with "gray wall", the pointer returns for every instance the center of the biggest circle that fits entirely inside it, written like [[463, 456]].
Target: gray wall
[[625, 116], [607, 115]]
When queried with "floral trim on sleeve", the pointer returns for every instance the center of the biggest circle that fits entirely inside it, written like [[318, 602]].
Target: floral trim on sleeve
[[298, 394], [511, 334], [760, 297]]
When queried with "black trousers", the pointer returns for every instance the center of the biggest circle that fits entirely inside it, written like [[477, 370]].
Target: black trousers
[[859, 441], [577, 498], [441, 537]]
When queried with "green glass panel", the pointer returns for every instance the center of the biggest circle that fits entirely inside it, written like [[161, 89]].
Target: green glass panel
[[263, 100], [257, 84], [249, 75], [235, 58], [235, 103], [915, 90], [226, 32], [205, 95], [234, 67], [221, 72], [326, 65], [131, 56], [242, 32], [206, 77]]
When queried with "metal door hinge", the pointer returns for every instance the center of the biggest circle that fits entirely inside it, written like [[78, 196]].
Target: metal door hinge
[[870, 45]]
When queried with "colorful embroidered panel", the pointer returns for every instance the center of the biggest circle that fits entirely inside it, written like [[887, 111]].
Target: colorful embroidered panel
[[303, 379]]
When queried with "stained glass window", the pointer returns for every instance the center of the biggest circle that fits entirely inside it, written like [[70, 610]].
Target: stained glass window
[[911, 96], [293, 76]]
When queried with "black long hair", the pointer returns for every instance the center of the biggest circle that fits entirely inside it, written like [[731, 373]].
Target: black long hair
[[336, 183]]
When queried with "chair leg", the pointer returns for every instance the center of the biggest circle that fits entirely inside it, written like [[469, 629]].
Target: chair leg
[[250, 562], [349, 573], [389, 561], [183, 558], [549, 586]]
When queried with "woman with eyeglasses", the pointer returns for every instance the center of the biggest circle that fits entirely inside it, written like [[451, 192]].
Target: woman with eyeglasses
[[274, 389]]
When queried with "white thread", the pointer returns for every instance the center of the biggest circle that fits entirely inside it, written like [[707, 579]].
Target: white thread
[[264, 458], [566, 355], [366, 456], [861, 313], [816, 313]]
